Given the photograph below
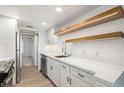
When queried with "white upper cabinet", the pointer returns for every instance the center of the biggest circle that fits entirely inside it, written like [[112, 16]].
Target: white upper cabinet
[[50, 37]]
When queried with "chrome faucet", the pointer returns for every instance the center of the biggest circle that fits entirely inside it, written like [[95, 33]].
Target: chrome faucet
[[64, 48]]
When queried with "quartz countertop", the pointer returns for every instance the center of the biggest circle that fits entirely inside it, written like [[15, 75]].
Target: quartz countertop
[[5, 64], [103, 70], [5, 58]]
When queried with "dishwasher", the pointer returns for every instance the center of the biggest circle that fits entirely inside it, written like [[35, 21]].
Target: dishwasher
[[44, 64]]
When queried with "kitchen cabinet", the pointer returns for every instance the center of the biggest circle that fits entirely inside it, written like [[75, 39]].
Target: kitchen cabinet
[[64, 79], [56, 73], [102, 83], [64, 75], [49, 69], [53, 70], [76, 82], [79, 78], [50, 37], [73, 77]]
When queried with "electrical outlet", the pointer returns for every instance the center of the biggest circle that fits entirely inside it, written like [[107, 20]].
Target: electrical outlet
[[97, 53], [84, 52]]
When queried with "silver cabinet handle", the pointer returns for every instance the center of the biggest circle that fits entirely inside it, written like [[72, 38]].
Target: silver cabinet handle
[[51, 67], [64, 66], [81, 75], [70, 81]]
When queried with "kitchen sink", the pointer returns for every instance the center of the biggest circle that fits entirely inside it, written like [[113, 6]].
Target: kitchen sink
[[61, 56]]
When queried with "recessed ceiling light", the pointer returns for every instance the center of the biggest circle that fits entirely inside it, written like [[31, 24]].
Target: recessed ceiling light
[[44, 23], [58, 9]]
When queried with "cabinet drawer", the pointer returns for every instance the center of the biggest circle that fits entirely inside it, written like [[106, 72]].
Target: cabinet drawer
[[49, 59], [102, 83], [83, 76], [76, 82], [64, 67]]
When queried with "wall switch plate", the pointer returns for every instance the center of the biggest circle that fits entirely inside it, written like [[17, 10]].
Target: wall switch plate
[[84, 52]]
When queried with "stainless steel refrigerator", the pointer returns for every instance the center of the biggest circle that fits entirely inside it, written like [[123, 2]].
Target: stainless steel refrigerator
[[18, 57]]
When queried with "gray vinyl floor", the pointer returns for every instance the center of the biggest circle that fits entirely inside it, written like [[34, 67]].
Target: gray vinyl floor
[[31, 77]]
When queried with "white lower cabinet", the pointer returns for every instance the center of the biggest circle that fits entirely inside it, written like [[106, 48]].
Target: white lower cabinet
[[82, 78], [56, 73], [76, 82], [64, 75], [79, 78], [64, 79], [72, 77], [49, 70], [53, 70]]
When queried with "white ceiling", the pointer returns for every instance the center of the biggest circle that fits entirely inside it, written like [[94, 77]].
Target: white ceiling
[[35, 15]]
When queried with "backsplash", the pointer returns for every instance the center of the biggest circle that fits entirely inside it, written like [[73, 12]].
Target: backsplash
[[106, 50], [53, 48]]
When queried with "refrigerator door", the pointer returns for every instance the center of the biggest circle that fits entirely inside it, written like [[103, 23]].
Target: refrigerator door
[[17, 57]]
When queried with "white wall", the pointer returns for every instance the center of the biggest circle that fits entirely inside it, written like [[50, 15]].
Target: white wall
[[8, 28], [108, 50], [27, 41]]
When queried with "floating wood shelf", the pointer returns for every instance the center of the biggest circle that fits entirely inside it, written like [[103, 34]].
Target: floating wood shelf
[[112, 14], [100, 36]]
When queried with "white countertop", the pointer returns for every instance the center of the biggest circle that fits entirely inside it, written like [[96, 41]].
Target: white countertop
[[103, 70], [5, 58]]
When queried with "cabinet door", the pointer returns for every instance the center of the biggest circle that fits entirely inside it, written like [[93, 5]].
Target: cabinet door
[[55, 73], [64, 78], [50, 37], [49, 70], [53, 70], [76, 82]]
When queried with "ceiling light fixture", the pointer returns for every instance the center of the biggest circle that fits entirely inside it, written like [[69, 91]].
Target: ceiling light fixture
[[58, 9], [44, 23]]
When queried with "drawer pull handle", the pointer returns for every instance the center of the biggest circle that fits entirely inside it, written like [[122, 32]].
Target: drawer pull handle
[[63, 66], [51, 67], [67, 79], [70, 81], [81, 75]]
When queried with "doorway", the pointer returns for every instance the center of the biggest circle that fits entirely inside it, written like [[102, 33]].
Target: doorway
[[28, 50]]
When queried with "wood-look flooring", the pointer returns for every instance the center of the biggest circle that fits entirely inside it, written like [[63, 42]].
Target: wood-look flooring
[[31, 77]]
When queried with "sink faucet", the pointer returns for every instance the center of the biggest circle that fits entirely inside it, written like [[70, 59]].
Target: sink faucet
[[64, 48]]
